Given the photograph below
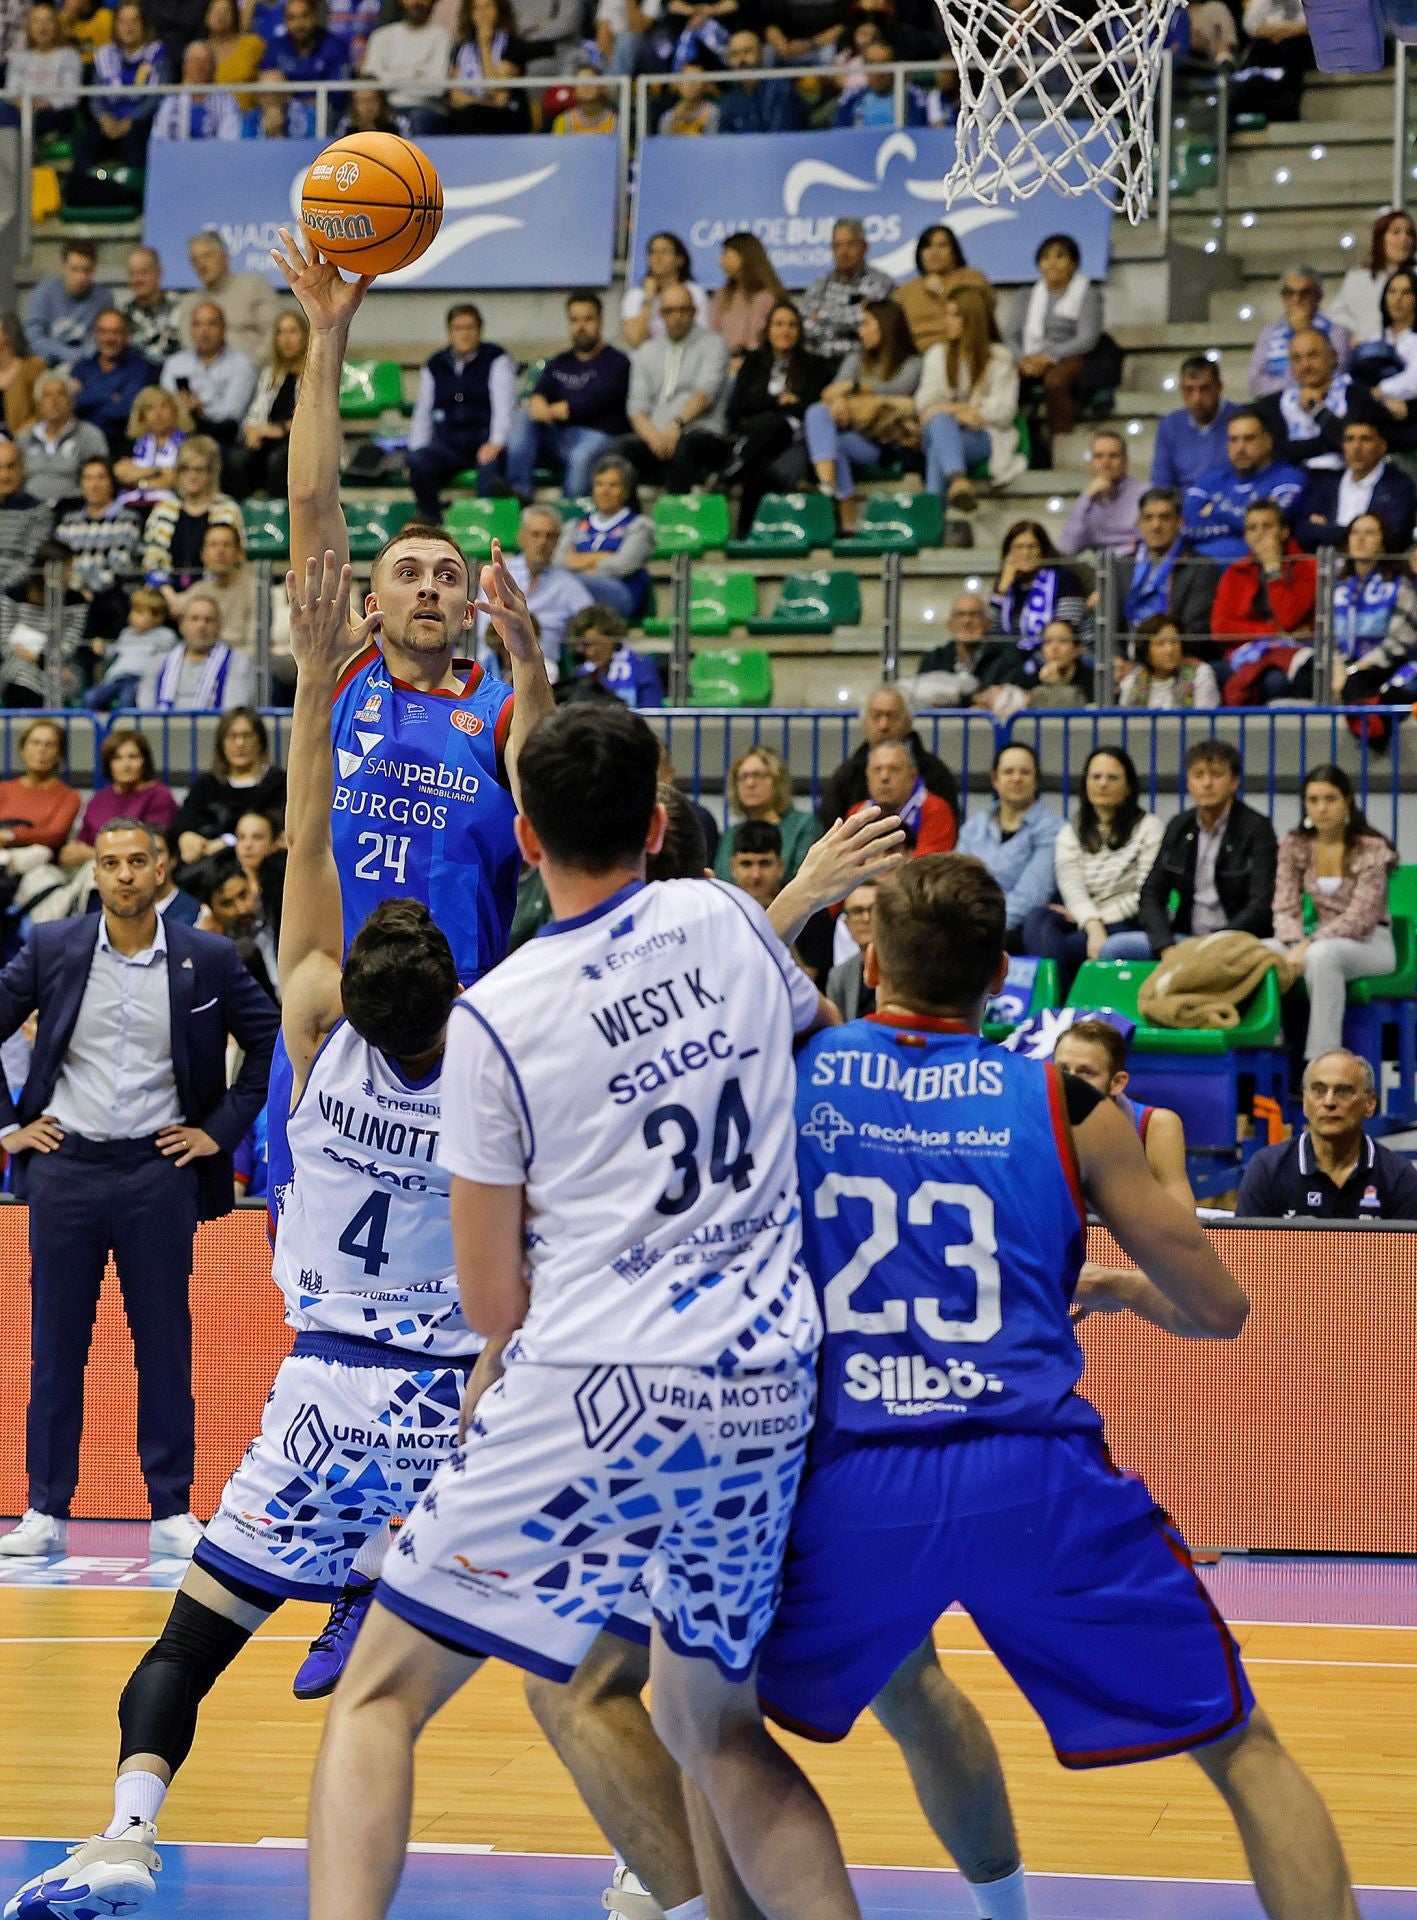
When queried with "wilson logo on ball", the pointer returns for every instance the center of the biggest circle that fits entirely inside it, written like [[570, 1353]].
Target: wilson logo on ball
[[340, 226], [347, 176]]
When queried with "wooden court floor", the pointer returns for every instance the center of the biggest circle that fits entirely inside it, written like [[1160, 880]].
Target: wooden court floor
[[1343, 1697]]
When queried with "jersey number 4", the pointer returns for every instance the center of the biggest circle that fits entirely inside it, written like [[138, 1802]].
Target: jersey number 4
[[979, 1254], [363, 1239], [732, 1129]]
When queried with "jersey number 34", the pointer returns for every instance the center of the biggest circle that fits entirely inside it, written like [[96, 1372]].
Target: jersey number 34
[[979, 1254]]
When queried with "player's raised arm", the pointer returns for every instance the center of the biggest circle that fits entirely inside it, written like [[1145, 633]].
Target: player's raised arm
[[504, 603], [1182, 1286], [867, 845], [312, 927], [329, 302]]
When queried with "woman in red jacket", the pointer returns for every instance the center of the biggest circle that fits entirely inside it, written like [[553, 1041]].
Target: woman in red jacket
[[1266, 603]]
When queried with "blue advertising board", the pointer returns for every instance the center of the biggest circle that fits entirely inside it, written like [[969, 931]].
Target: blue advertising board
[[788, 188], [525, 210]]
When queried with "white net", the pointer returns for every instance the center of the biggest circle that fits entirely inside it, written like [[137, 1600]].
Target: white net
[[1056, 93]]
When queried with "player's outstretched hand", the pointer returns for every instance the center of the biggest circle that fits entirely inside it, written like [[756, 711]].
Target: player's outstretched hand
[[504, 603], [329, 301], [320, 634], [1105, 1290], [867, 845]]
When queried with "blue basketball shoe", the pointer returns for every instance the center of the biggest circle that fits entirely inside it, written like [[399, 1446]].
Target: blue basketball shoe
[[331, 1647]]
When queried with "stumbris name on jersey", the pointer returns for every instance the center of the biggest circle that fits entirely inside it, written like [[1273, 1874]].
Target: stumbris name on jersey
[[885, 1073]]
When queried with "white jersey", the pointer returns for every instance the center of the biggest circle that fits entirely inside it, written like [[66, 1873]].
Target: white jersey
[[364, 1242], [632, 1067]]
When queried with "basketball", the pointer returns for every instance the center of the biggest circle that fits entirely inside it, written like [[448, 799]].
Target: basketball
[[373, 201]]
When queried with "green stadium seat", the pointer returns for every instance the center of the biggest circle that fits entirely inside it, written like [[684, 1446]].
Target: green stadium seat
[[1116, 985], [895, 523], [690, 523], [719, 678], [787, 523], [1401, 983], [474, 524], [979, 472], [573, 509], [719, 601], [815, 602], [372, 522], [267, 528], [369, 388]]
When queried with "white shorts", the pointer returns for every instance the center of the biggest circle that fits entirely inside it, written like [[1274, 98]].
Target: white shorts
[[578, 1484], [348, 1442]]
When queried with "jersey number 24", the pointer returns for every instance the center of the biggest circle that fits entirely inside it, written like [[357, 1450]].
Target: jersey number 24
[[979, 1254]]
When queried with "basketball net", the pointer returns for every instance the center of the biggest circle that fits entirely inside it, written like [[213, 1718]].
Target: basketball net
[[1056, 93]]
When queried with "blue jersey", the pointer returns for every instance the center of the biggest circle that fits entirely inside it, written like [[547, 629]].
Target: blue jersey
[[422, 808], [943, 1225]]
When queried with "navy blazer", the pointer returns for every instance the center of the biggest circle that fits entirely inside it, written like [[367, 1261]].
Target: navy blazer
[[1394, 502], [211, 995]]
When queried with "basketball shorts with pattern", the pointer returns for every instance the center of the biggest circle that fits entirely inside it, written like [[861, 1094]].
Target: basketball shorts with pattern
[[350, 1438], [578, 1483], [1075, 1577]]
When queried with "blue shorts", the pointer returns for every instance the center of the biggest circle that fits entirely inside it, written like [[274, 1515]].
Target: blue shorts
[[1075, 1577]]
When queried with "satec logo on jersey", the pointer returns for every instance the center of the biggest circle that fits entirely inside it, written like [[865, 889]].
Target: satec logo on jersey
[[826, 1126], [467, 722], [908, 1385]]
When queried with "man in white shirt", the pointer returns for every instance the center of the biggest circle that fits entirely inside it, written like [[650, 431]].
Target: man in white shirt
[[216, 379], [1367, 483], [410, 60], [554, 594]]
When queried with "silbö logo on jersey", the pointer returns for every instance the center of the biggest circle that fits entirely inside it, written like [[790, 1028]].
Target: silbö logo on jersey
[[908, 1385]]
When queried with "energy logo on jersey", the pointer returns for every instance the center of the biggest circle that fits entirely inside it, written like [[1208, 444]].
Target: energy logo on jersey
[[907, 1384]]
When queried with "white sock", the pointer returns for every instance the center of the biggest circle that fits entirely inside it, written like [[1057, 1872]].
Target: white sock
[[370, 1557], [1001, 1899], [694, 1909], [136, 1796]]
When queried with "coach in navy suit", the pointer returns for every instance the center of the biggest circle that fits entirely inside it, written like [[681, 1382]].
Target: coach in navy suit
[[1367, 482], [122, 1141]]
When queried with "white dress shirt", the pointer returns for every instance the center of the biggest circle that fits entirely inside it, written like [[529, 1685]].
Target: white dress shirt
[[1356, 496], [1207, 914], [117, 1082]]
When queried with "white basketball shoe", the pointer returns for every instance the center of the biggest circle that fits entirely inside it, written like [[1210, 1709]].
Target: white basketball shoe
[[101, 1879]]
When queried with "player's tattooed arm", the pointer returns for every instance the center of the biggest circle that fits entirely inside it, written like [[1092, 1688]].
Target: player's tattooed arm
[[866, 846], [504, 603]]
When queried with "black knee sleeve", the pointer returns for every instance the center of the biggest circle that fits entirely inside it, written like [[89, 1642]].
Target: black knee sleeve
[[157, 1710]]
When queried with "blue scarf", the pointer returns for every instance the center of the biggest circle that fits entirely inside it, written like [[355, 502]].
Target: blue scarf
[[911, 808], [605, 538], [1362, 610], [1150, 591], [209, 688], [1038, 608]]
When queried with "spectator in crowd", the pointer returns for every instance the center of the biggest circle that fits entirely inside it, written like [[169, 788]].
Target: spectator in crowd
[[88, 24], [153, 313], [102, 538], [207, 112], [803, 33], [767, 403], [369, 112], [634, 36], [131, 790], [1266, 601], [871, 103], [489, 48], [846, 984], [247, 303], [678, 386], [887, 715], [262, 860], [462, 418], [608, 664], [756, 866], [1032, 588], [61, 310], [592, 108], [1191, 441], [410, 58], [666, 273], [1333, 1169], [1165, 675], [1103, 518], [1055, 333], [214, 379], [1270, 76], [201, 673], [833, 304], [1374, 604], [1340, 865], [1063, 678], [940, 270], [228, 582], [143, 643], [231, 908], [967, 400], [693, 113], [19, 369], [48, 70], [1095, 1051], [1357, 305], [1302, 291], [1216, 504], [1167, 579], [239, 53], [609, 548], [38, 807], [760, 788], [756, 106], [38, 648], [258, 462], [123, 1162], [302, 51], [554, 594], [1368, 482], [1306, 418], [740, 308], [970, 669], [157, 427], [576, 410], [119, 123], [1215, 869], [353, 21], [1101, 859], [894, 784], [177, 525], [241, 780], [869, 405], [1394, 369], [57, 444], [25, 521], [110, 379], [172, 900], [1015, 838]]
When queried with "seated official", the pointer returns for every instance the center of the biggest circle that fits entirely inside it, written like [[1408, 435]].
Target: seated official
[[1217, 858], [467, 394], [1093, 1050], [1366, 482], [1015, 837], [1332, 1170]]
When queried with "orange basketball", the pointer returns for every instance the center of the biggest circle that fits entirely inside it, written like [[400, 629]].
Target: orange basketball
[[373, 202]]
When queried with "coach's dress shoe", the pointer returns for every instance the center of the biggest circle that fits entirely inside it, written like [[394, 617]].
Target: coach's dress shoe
[[102, 1879], [629, 1899], [174, 1538], [35, 1536]]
